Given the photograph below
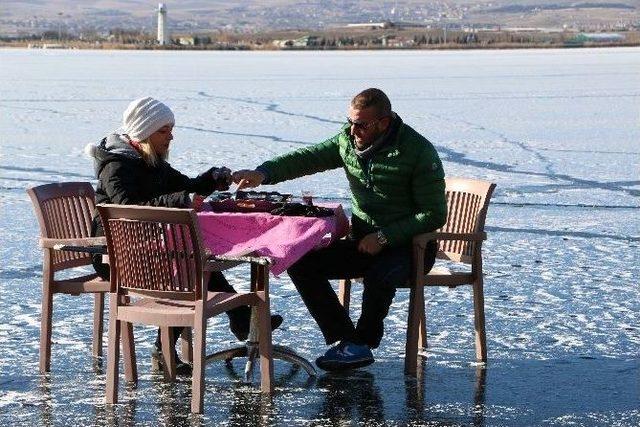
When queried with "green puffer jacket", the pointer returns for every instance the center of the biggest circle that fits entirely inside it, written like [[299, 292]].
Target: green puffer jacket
[[400, 190]]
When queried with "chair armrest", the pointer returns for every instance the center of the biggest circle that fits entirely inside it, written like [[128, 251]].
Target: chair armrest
[[422, 239], [50, 243]]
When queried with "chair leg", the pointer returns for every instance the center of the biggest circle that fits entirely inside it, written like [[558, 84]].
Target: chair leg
[[265, 347], [187, 345], [168, 353], [422, 337], [113, 357], [416, 305], [129, 352], [344, 293], [45, 326], [199, 345], [478, 311], [98, 315]]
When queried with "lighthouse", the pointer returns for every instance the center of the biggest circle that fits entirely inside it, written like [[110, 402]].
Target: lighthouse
[[163, 31]]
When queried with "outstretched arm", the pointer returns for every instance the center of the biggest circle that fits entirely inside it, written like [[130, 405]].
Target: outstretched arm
[[248, 178], [305, 161]]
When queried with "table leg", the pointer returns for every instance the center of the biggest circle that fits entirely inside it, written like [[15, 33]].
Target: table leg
[[251, 352]]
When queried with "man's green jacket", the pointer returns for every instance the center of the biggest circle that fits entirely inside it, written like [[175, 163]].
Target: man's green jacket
[[400, 190]]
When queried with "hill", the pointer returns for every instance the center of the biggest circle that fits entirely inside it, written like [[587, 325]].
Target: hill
[[20, 17]]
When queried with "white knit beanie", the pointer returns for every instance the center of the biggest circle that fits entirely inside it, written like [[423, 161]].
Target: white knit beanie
[[144, 116]]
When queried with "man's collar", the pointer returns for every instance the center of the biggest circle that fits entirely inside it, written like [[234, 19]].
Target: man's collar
[[383, 142]]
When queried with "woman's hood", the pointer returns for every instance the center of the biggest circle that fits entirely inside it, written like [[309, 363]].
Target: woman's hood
[[112, 147]]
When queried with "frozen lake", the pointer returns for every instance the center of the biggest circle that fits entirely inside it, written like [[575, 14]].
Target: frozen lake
[[557, 130]]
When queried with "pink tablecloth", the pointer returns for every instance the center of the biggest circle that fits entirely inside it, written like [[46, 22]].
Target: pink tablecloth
[[284, 239]]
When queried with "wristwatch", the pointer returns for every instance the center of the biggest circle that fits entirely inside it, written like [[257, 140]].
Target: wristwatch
[[382, 240]]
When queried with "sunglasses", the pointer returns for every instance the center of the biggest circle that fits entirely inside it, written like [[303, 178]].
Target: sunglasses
[[362, 125]]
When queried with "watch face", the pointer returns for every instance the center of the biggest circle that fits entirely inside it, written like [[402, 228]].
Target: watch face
[[382, 240]]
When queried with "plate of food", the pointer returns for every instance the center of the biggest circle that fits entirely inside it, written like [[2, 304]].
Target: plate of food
[[247, 201]]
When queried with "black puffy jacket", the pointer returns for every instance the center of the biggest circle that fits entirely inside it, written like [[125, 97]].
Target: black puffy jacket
[[125, 179]]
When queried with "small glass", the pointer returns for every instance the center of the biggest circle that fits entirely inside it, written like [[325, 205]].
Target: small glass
[[307, 197]]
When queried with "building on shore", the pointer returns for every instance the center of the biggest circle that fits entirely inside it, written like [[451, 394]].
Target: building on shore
[[299, 42], [383, 25], [594, 39]]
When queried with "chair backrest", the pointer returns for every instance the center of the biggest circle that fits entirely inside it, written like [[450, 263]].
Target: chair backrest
[[64, 211], [154, 251], [467, 204]]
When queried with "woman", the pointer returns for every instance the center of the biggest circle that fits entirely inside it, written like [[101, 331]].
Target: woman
[[132, 169]]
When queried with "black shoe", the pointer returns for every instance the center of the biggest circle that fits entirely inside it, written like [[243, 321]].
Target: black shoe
[[240, 328], [157, 363]]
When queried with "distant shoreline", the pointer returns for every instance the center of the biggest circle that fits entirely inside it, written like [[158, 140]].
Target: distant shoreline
[[452, 46], [339, 39]]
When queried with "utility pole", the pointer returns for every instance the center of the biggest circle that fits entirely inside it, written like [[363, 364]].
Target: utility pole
[[60, 26], [444, 27]]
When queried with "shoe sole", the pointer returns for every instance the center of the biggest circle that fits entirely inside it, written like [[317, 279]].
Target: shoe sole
[[182, 369], [342, 366], [276, 321]]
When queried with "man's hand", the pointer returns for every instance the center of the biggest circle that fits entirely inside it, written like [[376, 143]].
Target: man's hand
[[369, 244], [248, 178]]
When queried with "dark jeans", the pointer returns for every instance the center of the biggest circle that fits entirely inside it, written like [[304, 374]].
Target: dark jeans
[[381, 273], [217, 282]]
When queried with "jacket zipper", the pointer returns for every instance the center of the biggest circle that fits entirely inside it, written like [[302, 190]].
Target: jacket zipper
[[367, 174]]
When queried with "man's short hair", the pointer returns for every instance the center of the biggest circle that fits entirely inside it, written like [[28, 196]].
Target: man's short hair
[[372, 98]]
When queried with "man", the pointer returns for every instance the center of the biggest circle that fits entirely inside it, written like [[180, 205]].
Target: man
[[397, 191]]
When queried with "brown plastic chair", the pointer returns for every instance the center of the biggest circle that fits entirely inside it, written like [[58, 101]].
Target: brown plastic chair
[[158, 277], [64, 212], [459, 242]]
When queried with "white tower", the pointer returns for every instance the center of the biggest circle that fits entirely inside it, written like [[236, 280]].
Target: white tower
[[163, 31]]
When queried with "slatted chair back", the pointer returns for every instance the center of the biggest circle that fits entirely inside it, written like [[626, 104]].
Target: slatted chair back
[[459, 240], [467, 204], [154, 251], [157, 254], [64, 211]]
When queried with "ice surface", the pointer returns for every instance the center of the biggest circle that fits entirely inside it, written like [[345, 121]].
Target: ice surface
[[557, 130]]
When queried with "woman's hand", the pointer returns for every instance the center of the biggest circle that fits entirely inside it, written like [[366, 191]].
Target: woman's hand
[[222, 178], [213, 179]]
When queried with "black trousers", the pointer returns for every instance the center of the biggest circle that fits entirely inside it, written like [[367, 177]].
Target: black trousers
[[217, 283], [381, 273]]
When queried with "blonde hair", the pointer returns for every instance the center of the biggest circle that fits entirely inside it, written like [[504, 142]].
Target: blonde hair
[[149, 155]]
